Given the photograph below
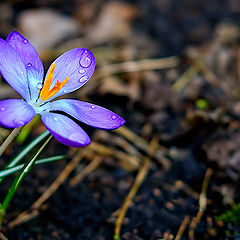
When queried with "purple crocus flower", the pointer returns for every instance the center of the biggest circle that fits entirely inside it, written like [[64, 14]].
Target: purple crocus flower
[[22, 68]]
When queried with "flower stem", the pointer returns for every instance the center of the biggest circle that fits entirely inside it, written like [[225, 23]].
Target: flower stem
[[2, 213], [18, 179], [25, 151], [9, 139]]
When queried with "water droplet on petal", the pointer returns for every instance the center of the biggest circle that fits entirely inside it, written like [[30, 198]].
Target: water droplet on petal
[[39, 86], [76, 103], [92, 107], [113, 117], [25, 41], [29, 65], [83, 79], [3, 109], [65, 91], [55, 119], [85, 60], [81, 71], [21, 72]]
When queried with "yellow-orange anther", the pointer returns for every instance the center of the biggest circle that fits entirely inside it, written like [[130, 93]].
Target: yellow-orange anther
[[46, 93]]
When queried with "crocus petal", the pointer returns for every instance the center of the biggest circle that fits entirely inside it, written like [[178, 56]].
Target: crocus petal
[[15, 113], [13, 69], [78, 65], [87, 113], [65, 130], [31, 60]]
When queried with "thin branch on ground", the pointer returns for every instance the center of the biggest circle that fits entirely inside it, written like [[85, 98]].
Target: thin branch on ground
[[182, 228], [86, 171], [209, 75], [143, 171], [238, 65], [185, 79], [131, 66], [51, 189], [143, 145], [136, 66], [130, 162], [124, 144], [2, 237], [202, 204]]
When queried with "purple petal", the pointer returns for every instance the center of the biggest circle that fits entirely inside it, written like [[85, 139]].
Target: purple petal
[[31, 60], [78, 65], [90, 114], [13, 69], [65, 130], [15, 113]]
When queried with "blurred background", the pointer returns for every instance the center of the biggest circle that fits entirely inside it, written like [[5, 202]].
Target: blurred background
[[171, 69]]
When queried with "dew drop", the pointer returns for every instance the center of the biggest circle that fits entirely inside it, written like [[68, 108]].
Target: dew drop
[[83, 79], [85, 60], [21, 72], [76, 103], [55, 119], [92, 106], [29, 65], [25, 41], [3, 109], [113, 117], [81, 71], [39, 86], [65, 91]]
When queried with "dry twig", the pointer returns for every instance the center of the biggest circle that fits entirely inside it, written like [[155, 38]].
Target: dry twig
[[27, 215], [128, 161], [202, 204], [86, 171], [138, 181], [203, 68], [182, 228], [2, 237], [131, 66], [238, 65], [185, 78], [135, 66], [143, 145], [124, 144]]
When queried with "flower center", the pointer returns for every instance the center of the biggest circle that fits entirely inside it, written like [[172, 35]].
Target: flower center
[[46, 92]]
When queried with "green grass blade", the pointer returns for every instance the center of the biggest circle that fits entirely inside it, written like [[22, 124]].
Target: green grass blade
[[8, 171], [18, 179], [27, 149]]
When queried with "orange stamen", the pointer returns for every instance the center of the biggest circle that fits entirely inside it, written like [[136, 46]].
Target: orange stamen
[[46, 92]]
